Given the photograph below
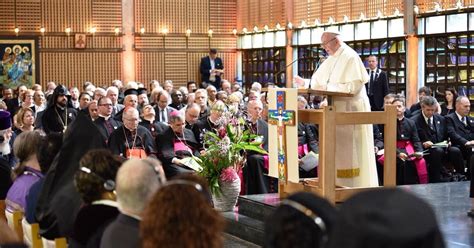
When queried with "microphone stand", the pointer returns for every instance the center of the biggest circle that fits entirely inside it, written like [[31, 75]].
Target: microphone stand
[[283, 70]]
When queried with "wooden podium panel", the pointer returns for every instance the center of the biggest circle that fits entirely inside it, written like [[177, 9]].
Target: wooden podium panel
[[327, 119]]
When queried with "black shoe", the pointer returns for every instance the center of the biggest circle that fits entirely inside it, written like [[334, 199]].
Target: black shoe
[[470, 213]]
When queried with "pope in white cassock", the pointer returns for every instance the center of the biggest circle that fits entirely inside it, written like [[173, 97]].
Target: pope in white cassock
[[343, 71]]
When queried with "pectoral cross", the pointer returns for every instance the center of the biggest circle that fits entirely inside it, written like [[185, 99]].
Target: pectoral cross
[[281, 118]]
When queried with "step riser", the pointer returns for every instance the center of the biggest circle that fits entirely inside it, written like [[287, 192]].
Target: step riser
[[255, 210]]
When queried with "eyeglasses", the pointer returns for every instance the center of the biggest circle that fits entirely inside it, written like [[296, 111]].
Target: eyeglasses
[[327, 42]]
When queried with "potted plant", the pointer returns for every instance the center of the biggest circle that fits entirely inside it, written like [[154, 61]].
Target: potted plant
[[224, 157]]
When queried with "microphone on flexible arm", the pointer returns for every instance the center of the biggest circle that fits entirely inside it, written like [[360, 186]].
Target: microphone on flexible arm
[[283, 70], [320, 60]]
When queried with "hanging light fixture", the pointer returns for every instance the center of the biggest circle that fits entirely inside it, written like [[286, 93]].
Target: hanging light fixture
[[416, 9], [117, 30], [68, 31], [290, 25], [188, 32], [346, 19], [379, 14], [234, 31], [142, 30], [165, 31], [209, 33]]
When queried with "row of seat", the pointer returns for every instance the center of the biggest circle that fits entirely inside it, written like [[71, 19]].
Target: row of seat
[[29, 232]]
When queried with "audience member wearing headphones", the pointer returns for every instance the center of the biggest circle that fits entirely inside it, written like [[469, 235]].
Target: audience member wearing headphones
[[303, 220], [95, 183], [137, 181]]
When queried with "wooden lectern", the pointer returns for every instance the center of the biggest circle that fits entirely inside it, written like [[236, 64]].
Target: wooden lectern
[[327, 119]]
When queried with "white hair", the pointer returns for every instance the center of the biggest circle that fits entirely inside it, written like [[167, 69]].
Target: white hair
[[136, 182], [131, 85]]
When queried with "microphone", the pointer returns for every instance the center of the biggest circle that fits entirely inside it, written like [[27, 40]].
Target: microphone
[[320, 59], [284, 69]]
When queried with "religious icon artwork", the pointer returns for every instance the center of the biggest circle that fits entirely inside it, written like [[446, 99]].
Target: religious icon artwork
[[80, 41], [281, 118], [18, 62]]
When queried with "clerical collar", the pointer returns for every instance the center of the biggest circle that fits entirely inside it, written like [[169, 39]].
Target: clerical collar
[[401, 119], [105, 117]]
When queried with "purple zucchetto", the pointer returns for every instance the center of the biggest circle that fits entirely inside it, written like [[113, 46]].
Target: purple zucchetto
[[5, 120]]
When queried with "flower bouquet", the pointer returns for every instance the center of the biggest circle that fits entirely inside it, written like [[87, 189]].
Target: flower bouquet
[[225, 154]]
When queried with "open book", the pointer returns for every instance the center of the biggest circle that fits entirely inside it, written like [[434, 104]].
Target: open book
[[441, 144], [191, 163], [309, 161]]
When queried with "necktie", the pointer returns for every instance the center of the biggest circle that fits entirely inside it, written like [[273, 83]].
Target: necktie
[[464, 120], [371, 82], [430, 124], [163, 118]]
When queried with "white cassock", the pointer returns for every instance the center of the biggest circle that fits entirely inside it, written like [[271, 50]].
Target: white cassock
[[355, 158]]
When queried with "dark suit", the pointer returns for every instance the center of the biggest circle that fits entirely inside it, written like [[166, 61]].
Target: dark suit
[[106, 129], [459, 134], [13, 105], [307, 137], [437, 155], [378, 89], [406, 131], [117, 108], [123, 232], [165, 146], [205, 68], [169, 110]]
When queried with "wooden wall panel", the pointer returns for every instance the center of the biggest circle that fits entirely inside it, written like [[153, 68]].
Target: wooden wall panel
[[223, 15], [194, 59], [197, 16], [175, 42], [75, 68], [150, 66], [28, 14], [149, 14], [149, 42], [7, 16], [175, 15], [80, 19], [230, 64], [358, 6], [224, 43], [54, 67], [176, 68], [328, 10], [198, 43], [106, 15]]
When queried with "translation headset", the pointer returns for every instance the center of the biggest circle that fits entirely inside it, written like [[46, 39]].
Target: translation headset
[[109, 184], [310, 214]]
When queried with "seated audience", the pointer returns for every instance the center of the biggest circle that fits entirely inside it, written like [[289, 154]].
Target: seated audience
[[131, 139], [149, 121], [307, 142], [105, 121], [256, 182], [137, 181], [24, 120], [174, 144], [27, 171], [391, 218], [191, 115], [47, 150], [177, 100], [210, 123], [449, 106], [432, 130], [95, 182], [461, 130], [162, 109], [200, 98], [302, 218], [179, 215], [409, 149]]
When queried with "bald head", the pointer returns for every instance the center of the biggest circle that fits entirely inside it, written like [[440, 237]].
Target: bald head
[[137, 180]]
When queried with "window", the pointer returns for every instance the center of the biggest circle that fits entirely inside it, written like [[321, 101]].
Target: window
[[266, 65], [390, 52]]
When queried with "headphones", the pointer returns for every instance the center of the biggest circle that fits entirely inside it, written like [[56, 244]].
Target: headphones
[[318, 221], [109, 184]]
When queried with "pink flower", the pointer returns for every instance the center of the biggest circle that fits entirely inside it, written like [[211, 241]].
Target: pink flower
[[222, 132], [228, 174]]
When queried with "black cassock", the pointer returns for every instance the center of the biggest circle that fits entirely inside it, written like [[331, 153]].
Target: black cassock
[[122, 139], [54, 119], [406, 171]]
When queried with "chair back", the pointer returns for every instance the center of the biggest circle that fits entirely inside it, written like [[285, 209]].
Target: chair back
[[2, 210], [31, 235], [56, 243], [14, 221]]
